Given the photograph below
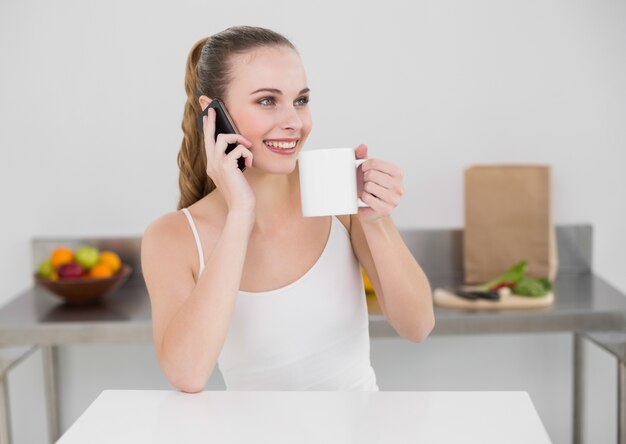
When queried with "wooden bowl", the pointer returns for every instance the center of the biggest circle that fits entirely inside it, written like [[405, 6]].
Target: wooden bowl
[[86, 290]]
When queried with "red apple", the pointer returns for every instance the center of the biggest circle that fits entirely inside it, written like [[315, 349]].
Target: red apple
[[70, 271]]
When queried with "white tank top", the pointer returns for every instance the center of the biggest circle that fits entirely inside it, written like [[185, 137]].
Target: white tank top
[[312, 334]]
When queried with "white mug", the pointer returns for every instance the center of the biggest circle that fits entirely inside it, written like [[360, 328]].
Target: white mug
[[328, 182]]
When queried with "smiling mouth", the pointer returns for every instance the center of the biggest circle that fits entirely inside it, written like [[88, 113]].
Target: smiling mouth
[[281, 145]]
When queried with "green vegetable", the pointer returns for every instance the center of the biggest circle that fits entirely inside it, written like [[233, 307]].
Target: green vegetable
[[515, 274], [523, 286], [546, 283], [532, 287]]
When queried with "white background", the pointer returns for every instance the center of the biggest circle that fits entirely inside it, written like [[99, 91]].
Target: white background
[[91, 99]]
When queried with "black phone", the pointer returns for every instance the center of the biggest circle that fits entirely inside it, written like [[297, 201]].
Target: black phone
[[223, 125]]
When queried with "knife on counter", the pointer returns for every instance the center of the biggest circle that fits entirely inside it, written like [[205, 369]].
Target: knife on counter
[[474, 295]]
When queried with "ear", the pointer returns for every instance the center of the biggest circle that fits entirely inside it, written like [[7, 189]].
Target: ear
[[204, 101]]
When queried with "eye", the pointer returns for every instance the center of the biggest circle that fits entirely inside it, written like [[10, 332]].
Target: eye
[[303, 100], [264, 101]]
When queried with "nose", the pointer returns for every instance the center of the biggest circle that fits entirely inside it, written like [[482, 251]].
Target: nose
[[291, 120]]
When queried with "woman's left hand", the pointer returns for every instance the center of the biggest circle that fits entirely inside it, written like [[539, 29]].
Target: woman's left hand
[[380, 186]]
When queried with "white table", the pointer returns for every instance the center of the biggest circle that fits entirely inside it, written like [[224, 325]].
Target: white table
[[146, 416]]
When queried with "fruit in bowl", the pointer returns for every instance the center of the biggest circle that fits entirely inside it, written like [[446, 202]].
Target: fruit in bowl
[[86, 256], [70, 271], [82, 276]]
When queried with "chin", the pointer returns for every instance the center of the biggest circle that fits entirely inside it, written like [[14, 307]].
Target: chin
[[267, 166]]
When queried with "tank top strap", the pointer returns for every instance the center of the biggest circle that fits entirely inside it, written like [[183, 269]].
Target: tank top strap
[[197, 238]]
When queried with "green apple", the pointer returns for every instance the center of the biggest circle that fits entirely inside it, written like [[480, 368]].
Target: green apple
[[87, 256], [45, 269]]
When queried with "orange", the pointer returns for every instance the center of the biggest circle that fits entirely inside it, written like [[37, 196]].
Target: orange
[[111, 259], [366, 282], [61, 256], [100, 271]]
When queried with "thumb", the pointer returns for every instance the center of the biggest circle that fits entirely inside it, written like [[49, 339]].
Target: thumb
[[361, 151]]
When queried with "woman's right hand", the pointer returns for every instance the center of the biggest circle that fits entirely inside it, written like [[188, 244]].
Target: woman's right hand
[[223, 169]]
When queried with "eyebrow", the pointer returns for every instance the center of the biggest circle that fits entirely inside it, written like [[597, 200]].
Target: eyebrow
[[278, 91]]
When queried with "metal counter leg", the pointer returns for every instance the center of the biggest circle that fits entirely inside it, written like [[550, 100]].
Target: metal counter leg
[[5, 414], [9, 358], [579, 389], [621, 402], [49, 358]]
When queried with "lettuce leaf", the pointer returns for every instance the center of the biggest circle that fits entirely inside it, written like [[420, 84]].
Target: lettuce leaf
[[515, 274]]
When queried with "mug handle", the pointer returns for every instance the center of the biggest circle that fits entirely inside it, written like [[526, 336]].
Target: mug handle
[[357, 163]]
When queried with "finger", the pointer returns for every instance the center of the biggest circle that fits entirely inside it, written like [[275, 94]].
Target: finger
[[384, 194], [385, 167], [209, 126], [208, 129], [360, 151], [226, 139], [393, 184], [240, 151], [380, 207], [382, 179]]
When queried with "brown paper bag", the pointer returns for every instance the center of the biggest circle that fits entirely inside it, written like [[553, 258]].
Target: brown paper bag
[[508, 219]]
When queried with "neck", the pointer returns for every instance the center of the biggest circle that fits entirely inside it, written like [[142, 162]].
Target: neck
[[277, 199]]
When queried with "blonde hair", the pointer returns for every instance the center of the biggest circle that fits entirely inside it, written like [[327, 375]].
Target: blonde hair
[[208, 73]]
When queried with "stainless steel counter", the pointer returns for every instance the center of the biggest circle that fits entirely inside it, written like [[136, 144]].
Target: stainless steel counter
[[584, 302]]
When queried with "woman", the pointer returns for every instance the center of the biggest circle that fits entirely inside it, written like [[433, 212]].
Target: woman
[[238, 276]]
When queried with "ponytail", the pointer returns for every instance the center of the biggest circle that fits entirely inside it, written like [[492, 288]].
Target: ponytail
[[193, 181]]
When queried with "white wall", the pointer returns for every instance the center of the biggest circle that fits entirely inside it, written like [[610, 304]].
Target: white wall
[[91, 97]]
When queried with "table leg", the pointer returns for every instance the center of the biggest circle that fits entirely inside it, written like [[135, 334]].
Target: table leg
[[49, 358], [9, 358], [579, 389], [621, 402], [5, 413]]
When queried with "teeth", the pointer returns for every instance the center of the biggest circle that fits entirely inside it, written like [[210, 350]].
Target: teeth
[[281, 145]]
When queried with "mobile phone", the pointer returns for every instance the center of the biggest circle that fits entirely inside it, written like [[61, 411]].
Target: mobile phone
[[223, 125]]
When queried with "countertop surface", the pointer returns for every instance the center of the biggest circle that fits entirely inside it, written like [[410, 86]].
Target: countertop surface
[[583, 302], [136, 416]]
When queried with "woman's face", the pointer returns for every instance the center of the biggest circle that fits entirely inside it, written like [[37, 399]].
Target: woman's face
[[267, 99]]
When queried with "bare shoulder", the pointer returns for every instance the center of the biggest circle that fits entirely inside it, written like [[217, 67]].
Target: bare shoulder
[[165, 239], [165, 229], [170, 238]]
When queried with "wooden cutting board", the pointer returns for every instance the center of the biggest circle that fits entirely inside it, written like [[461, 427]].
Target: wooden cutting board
[[446, 299]]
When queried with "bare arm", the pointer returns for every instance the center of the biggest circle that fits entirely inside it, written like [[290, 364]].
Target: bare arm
[[190, 320], [402, 288]]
